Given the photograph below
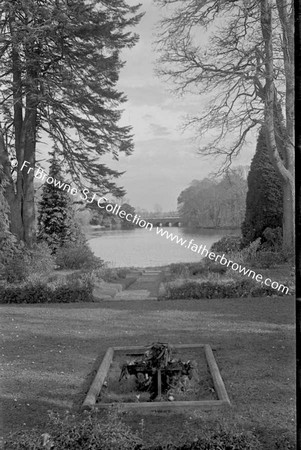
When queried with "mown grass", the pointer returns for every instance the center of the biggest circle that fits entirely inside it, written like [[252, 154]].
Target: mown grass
[[50, 354]]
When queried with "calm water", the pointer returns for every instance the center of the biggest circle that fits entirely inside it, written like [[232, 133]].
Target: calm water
[[143, 248]]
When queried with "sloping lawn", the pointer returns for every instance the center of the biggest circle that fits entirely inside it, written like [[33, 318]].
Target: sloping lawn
[[50, 354]]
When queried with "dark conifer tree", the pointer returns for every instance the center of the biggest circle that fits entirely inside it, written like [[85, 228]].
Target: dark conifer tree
[[56, 222], [264, 197], [60, 63]]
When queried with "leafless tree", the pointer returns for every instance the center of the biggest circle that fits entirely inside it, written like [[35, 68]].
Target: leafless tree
[[241, 52]]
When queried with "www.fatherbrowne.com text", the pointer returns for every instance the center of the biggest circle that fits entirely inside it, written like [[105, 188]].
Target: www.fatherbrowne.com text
[[103, 203], [202, 250]]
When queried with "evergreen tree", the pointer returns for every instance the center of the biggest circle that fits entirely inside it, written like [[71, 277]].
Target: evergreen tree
[[264, 197], [59, 66], [56, 221]]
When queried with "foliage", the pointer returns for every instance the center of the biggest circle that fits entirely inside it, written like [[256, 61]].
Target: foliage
[[237, 46], [100, 216], [158, 356], [56, 222], [204, 267], [218, 440], [83, 217], [245, 63], [264, 198], [213, 289], [209, 203], [9, 246], [41, 292], [181, 269], [109, 274], [23, 262], [250, 252], [272, 239], [84, 433], [17, 267], [41, 259], [261, 255], [129, 210], [214, 267], [60, 62], [90, 433], [267, 259], [77, 256], [227, 244]]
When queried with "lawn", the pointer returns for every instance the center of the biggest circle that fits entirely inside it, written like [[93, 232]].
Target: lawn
[[50, 354]]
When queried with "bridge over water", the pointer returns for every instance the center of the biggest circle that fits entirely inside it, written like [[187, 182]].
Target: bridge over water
[[164, 220]]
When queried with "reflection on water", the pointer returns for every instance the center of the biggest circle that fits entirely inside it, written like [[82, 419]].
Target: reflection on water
[[144, 248]]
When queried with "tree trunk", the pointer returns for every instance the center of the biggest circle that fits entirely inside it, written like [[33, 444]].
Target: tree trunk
[[20, 193], [28, 210], [15, 218], [288, 217], [284, 163]]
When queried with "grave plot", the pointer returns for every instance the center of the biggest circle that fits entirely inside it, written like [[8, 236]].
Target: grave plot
[[158, 377]]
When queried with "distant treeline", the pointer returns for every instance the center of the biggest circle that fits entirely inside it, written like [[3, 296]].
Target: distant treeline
[[215, 203]]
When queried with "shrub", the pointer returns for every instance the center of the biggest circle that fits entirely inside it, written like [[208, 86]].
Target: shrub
[[198, 268], [227, 244], [109, 274], [23, 262], [122, 272], [17, 267], [74, 291], [42, 260], [179, 269], [70, 432], [250, 252], [214, 266], [27, 293], [56, 219], [72, 256], [9, 246], [267, 259], [264, 206], [213, 289], [273, 238]]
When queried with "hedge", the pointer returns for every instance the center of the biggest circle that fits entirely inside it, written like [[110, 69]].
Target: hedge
[[41, 293], [212, 289]]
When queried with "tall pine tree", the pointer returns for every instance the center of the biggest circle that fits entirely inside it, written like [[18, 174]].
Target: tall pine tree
[[56, 222], [59, 66], [264, 197]]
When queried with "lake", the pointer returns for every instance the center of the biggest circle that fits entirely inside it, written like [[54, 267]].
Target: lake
[[143, 248]]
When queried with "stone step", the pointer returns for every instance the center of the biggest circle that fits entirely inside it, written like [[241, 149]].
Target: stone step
[[141, 294]]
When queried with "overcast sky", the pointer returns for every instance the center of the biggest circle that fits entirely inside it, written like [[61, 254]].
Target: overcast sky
[[165, 160]]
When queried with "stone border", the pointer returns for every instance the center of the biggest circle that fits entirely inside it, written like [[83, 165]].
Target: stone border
[[223, 399]]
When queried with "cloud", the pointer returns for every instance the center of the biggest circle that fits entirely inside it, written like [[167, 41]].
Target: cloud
[[159, 130]]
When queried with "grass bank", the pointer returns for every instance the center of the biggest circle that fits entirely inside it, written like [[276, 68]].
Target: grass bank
[[50, 354]]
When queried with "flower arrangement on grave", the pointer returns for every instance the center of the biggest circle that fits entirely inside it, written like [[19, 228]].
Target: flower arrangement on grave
[[158, 372]]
